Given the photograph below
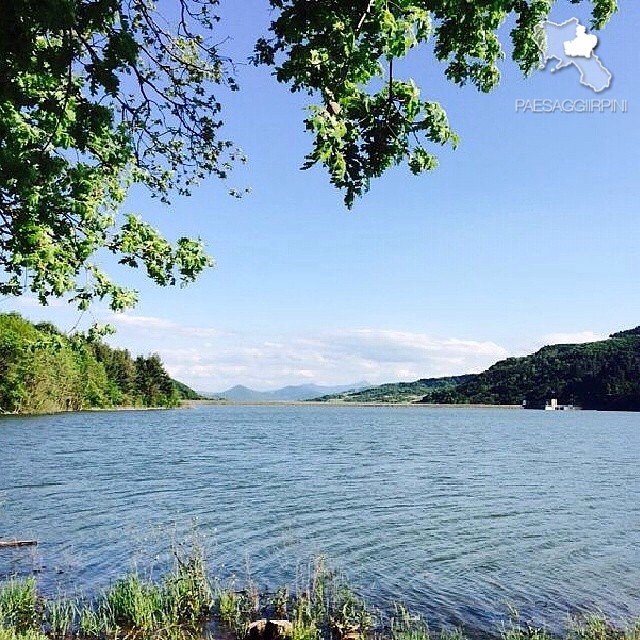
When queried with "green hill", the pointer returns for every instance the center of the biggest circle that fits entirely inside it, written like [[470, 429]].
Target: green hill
[[594, 375], [185, 392], [43, 370], [398, 391]]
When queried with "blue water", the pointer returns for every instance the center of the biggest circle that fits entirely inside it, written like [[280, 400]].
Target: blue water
[[457, 513]]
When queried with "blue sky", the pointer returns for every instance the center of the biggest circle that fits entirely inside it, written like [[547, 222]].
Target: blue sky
[[527, 234]]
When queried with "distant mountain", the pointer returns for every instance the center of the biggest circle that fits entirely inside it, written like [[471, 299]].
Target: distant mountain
[[593, 375], [240, 393], [398, 391]]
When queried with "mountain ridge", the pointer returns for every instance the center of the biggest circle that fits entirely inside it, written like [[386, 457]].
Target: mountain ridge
[[394, 392], [300, 392]]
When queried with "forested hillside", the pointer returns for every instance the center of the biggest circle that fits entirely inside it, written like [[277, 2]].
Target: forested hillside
[[43, 370], [398, 391], [594, 375]]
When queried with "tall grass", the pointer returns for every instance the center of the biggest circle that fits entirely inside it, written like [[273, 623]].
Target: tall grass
[[91, 624], [405, 626], [182, 601], [321, 607], [60, 617], [187, 595], [11, 633], [132, 604], [305, 624], [593, 626], [131, 607], [18, 605], [596, 627]]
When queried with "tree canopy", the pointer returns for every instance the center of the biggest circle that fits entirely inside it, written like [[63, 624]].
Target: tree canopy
[[99, 95], [43, 370]]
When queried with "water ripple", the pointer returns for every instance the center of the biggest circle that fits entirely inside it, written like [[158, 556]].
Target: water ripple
[[457, 513]]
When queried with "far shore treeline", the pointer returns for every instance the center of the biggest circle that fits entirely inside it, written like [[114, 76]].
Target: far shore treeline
[[603, 375], [43, 370]]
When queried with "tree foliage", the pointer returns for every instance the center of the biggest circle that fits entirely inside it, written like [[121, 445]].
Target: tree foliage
[[95, 96], [99, 95], [43, 370], [369, 119]]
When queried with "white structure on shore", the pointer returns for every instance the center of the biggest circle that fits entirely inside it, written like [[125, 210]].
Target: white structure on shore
[[552, 405]]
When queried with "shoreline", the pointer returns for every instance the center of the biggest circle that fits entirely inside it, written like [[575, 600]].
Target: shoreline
[[13, 414], [337, 403], [187, 601]]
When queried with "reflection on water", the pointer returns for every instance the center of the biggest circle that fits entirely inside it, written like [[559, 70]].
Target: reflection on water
[[458, 513]]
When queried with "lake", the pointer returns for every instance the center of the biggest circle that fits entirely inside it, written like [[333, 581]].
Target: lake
[[458, 513]]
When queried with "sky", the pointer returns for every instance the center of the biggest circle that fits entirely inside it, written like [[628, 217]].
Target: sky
[[526, 235]]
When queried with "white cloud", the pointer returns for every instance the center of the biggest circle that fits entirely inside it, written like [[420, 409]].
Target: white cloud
[[31, 302], [144, 322], [577, 337], [334, 357], [161, 326], [526, 347]]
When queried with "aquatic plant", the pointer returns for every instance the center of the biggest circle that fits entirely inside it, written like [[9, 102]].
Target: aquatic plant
[[132, 604], [90, 622], [594, 626], [520, 630], [237, 609], [323, 607], [59, 617], [227, 607], [11, 633], [405, 626], [280, 602], [305, 624], [188, 596], [18, 605]]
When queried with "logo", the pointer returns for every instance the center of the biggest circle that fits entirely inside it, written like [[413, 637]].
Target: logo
[[569, 45], [571, 106]]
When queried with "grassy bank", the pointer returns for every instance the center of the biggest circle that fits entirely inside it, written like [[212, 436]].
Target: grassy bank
[[188, 604]]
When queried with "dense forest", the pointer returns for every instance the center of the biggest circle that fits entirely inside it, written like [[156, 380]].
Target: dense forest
[[43, 370], [594, 375]]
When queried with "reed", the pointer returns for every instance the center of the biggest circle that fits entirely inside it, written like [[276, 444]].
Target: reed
[[305, 625], [187, 594], [595, 626], [227, 607], [405, 626], [322, 607], [132, 605], [60, 616], [18, 605], [10, 633], [90, 622]]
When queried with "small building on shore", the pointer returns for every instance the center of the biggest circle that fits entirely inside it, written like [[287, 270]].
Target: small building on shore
[[551, 404]]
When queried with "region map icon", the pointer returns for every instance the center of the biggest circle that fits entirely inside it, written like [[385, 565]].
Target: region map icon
[[569, 44]]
